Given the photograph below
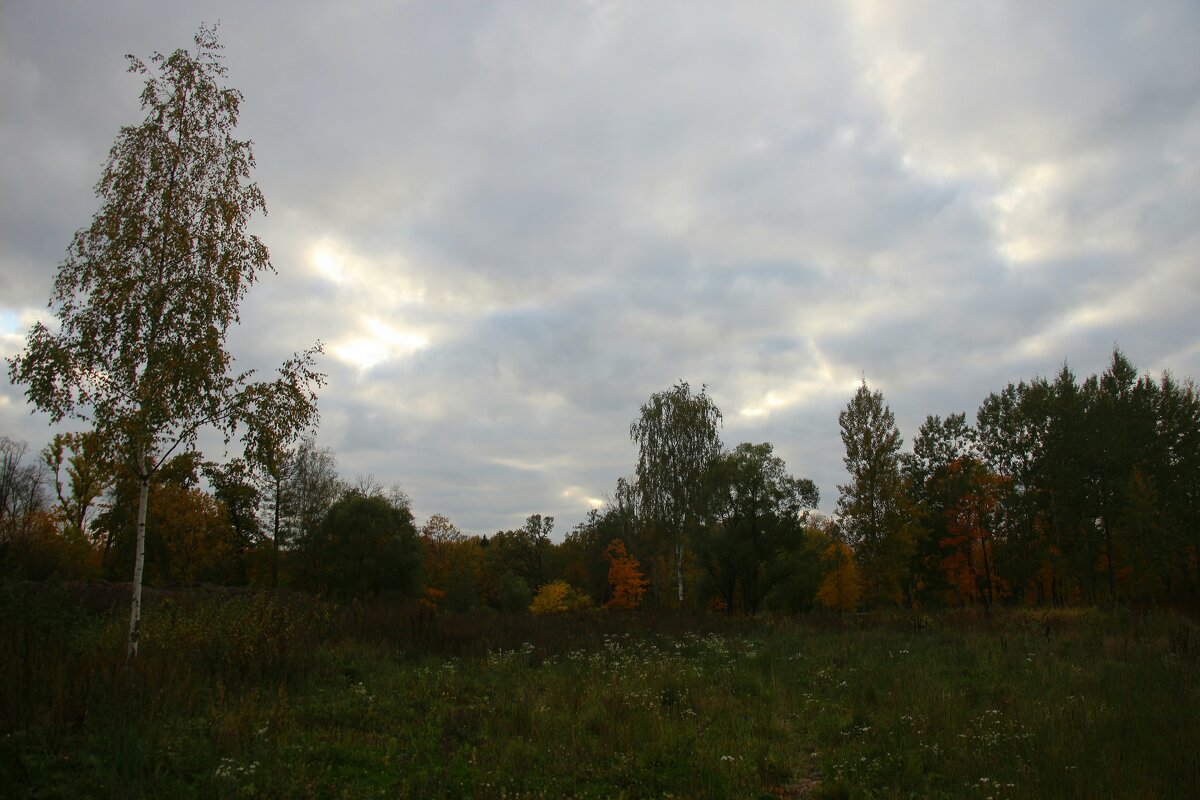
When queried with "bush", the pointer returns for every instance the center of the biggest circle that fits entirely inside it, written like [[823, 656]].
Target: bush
[[365, 547], [557, 597]]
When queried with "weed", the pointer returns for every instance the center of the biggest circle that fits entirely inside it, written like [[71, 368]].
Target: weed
[[249, 694]]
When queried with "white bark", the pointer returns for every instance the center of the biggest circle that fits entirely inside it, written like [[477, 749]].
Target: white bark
[[135, 614], [679, 569]]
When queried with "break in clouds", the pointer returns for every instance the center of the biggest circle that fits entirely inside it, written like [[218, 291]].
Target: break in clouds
[[510, 224]]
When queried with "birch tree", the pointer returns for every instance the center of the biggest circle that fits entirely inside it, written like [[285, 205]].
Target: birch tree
[[145, 298], [677, 439]]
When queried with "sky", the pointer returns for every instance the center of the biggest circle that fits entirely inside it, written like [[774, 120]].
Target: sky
[[512, 223]]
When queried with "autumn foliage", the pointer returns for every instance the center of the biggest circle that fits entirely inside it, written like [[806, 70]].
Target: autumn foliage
[[558, 596], [969, 562], [1061, 493], [625, 576], [842, 587]]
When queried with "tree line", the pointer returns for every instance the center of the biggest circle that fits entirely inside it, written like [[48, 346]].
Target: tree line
[[1059, 492]]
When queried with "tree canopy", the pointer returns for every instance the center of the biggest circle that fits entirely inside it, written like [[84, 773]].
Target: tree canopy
[[366, 546]]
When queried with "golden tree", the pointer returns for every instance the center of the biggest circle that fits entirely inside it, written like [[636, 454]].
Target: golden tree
[[842, 586], [558, 596], [625, 576]]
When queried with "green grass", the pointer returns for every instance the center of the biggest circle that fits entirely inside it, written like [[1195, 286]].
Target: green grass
[[389, 702]]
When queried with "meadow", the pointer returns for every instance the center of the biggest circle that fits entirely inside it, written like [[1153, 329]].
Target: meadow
[[245, 694]]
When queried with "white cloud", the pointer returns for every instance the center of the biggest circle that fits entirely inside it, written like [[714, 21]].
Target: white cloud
[[511, 223]]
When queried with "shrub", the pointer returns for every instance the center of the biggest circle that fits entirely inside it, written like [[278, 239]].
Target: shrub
[[557, 597]]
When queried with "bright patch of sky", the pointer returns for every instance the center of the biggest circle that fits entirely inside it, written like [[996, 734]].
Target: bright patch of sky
[[511, 223]]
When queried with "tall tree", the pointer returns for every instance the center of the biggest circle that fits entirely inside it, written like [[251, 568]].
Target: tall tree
[[80, 456], [581, 552], [969, 544], [148, 292], [20, 484], [22, 498], [1176, 473], [873, 508], [233, 485], [1062, 529], [296, 482], [756, 511], [366, 546], [440, 540], [523, 552], [927, 472], [299, 495], [1124, 425], [677, 440], [938, 443], [195, 540]]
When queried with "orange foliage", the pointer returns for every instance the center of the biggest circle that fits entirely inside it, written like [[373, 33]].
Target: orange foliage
[[432, 597], [959, 568], [625, 575], [969, 563]]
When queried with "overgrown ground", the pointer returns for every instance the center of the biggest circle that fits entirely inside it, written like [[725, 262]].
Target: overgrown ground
[[249, 695]]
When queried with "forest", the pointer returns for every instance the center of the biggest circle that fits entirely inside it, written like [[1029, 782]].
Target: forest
[[1059, 493]]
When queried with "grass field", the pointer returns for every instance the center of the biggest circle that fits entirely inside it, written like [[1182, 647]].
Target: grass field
[[249, 695]]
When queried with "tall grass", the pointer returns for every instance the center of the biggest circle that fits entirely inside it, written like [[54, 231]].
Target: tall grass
[[70, 704], [241, 694]]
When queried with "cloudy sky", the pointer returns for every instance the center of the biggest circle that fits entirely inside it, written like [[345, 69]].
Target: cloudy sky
[[511, 223]]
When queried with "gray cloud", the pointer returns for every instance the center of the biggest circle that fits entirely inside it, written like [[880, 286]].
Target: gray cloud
[[512, 224]]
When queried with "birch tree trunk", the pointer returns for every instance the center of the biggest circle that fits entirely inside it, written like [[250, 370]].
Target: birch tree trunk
[[139, 559], [679, 569], [275, 522]]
